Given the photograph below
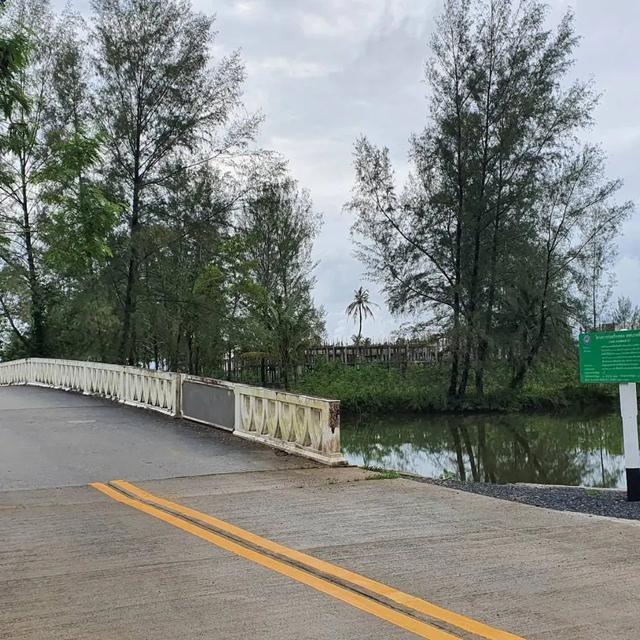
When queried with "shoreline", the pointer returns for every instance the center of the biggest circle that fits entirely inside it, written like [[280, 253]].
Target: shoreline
[[595, 501]]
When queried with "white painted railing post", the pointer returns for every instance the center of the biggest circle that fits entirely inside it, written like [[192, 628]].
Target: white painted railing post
[[122, 391], [177, 394], [238, 409]]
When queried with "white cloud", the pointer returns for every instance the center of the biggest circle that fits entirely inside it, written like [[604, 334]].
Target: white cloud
[[358, 19], [627, 270], [291, 68], [313, 24], [247, 8], [322, 164], [620, 139]]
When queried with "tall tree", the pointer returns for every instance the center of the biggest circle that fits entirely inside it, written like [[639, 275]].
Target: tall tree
[[79, 217], [14, 57], [279, 225], [160, 96], [23, 153], [502, 203], [595, 279], [180, 302], [14, 50], [575, 211]]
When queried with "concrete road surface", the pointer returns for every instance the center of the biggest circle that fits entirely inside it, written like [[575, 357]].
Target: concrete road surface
[[275, 552]]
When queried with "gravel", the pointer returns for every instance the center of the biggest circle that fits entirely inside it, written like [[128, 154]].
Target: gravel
[[607, 502]]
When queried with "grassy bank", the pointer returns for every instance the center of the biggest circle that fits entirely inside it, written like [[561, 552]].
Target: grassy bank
[[376, 389]]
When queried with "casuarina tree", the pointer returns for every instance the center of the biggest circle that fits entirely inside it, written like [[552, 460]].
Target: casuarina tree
[[160, 97], [503, 202]]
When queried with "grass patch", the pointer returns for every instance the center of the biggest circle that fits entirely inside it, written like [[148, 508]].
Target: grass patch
[[382, 474]]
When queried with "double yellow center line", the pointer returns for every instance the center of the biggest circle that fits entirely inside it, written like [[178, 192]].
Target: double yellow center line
[[375, 598]]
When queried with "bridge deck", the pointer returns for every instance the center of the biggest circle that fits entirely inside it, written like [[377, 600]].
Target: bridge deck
[[49, 438], [81, 561]]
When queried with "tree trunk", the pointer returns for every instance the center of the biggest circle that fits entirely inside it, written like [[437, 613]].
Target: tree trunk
[[37, 342], [483, 345], [521, 371], [190, 367], [459, 458], [473, 303], [477, 244], [472, 460], [455, 351], [129, 298], [452, 395], [132, 273]]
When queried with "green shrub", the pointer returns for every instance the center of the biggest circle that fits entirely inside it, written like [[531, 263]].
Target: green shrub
[[374, 388]]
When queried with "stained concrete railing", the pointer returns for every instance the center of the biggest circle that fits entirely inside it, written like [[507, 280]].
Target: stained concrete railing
[[298, 424], [289, 421]]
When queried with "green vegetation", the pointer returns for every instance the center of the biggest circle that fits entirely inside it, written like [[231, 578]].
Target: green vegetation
[[140, 224], [376, 389], [503, 236], [381, 474]]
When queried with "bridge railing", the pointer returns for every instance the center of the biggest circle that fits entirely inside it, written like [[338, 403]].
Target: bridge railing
[[298, 424]]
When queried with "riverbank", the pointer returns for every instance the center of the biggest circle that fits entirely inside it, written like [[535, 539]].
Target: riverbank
[[376, 389], [610, 503]]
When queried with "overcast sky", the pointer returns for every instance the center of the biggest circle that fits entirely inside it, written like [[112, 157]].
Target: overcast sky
[[325, 71]]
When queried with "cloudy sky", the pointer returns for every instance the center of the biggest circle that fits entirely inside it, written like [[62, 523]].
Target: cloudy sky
[[325, 71]]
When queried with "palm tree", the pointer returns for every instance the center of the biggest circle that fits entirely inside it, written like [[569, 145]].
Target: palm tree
[[360, 308]]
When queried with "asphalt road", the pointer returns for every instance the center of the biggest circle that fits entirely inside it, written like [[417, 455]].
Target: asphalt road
[[277, 552], [49, 438]]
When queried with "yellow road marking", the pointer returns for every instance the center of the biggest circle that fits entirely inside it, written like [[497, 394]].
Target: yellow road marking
[[394, 595], [356, 600]]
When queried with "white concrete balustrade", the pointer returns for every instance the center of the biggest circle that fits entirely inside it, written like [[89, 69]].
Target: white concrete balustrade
[[295, 423], [155, 390], [298, 424]]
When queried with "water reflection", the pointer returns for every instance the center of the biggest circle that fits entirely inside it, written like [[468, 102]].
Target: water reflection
[[549, 449]]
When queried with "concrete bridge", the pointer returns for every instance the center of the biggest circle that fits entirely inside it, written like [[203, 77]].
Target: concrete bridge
[[117, 522]]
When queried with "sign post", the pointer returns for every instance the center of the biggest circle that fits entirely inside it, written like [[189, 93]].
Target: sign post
[[629, 411], [614, 357]]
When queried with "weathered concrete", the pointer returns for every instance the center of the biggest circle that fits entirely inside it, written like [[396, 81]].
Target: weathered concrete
[[51, 438], [76, 564]]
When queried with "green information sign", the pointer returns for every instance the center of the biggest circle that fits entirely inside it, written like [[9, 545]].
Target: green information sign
[[610, 356]]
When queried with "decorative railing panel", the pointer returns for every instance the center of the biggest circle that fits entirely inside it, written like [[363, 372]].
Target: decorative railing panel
[[299, 424], [14, 372], [155, 390]]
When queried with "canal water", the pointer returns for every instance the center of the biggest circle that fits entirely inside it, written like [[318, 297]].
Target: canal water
[[570, 449]]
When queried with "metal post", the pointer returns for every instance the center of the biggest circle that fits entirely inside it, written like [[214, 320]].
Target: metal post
[[629, 411]]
